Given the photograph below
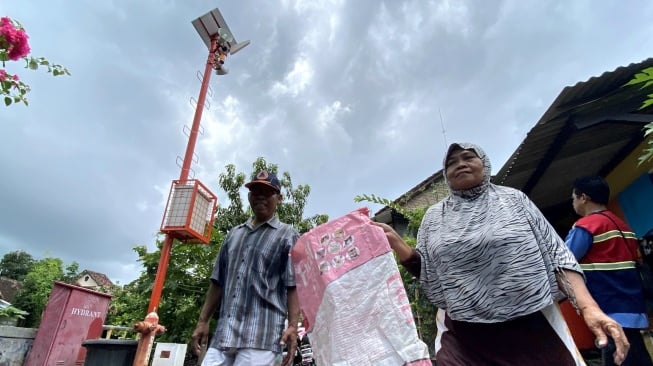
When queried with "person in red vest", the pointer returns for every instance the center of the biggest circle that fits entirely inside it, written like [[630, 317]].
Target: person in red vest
[[607, 250]]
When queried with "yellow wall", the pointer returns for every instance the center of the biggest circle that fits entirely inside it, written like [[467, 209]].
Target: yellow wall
[[628, 170], [624, 174]]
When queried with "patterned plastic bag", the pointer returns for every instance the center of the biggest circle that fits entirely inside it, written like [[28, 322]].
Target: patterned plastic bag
[[352, 298]]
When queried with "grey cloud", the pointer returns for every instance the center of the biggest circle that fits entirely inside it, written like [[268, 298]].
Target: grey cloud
[[82, 162]]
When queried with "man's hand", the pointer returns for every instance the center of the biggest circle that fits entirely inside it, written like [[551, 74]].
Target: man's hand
[[200, 337], [603, 326], [289, 339]]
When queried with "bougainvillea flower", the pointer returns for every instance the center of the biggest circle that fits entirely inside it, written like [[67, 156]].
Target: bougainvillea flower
[[13, 40]]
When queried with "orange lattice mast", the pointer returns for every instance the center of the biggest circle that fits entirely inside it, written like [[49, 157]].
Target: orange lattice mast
[[190, 209]]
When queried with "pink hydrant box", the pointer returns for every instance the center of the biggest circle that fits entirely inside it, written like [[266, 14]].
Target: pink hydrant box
[[353, 302]]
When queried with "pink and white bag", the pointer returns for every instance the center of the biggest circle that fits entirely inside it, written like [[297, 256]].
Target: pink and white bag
[[353, 302]]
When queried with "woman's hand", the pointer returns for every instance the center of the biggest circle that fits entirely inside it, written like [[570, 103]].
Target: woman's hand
[[403, 250], [603, 326], [597, 321], [393, 237]]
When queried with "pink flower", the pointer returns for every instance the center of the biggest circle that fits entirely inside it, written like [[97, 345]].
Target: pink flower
[[3, 75], [15, 78], [13, 40]]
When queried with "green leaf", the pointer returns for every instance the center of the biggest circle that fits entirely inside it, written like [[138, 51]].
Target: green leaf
[[17, 24], [33, 65], [12, 312], [7, 101], [648, 129], [647, 102], [645, 77], [647, 155]]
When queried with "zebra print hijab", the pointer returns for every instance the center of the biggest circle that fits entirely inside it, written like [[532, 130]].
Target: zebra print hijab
[[488, 253]]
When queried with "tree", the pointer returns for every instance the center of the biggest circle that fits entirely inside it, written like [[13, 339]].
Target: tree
[[190, 266], [16, 265], [38, 283], [291, 209], [36, 289], [71, 273], [186, 282], [645, 79]]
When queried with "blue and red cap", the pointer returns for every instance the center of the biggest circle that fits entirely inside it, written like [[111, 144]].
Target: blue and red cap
[[265, 178]]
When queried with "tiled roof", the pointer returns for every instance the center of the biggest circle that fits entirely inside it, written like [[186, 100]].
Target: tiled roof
[[100, 278]]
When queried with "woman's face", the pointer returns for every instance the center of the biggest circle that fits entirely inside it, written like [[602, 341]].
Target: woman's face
[[464, 169]]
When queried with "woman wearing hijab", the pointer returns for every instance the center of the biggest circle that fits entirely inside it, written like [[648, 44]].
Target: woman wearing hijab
[[487, 257]]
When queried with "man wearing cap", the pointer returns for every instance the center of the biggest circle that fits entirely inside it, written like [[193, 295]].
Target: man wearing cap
[[253, 287]]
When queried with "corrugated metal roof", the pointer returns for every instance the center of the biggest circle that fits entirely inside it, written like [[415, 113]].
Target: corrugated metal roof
[[608, 83], [589, 128]]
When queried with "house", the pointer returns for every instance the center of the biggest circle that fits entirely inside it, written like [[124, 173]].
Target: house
[[592, 128], [429, 191], [94, 280]]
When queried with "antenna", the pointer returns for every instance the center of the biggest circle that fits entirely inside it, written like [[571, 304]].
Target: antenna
[[444, 133]]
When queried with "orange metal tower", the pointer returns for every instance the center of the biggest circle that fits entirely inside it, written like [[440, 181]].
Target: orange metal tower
[[190, 210]]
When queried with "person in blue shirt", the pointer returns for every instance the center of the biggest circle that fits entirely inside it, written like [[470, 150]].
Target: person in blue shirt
[[607, 250]]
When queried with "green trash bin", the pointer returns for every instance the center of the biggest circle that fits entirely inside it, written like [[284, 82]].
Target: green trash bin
[[110, 352]]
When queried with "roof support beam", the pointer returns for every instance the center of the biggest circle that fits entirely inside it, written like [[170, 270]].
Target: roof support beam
[[582, 123], [621, 155]]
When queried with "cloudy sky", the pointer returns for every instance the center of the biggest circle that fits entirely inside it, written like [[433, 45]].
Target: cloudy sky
[[344, 95]]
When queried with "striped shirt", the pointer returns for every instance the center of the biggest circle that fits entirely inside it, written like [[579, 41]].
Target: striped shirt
[[254, 270]]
